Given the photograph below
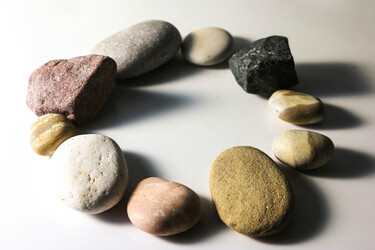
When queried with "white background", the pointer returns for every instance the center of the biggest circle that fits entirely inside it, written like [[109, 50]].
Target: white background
[[174, 121]]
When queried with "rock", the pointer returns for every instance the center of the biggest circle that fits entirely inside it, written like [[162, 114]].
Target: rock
[[91, 172], [207, 46], [164, 208], [303, 150], [251, 194], [76, 88], [265, 66], [296, 108], [49, 132], [141, 48]]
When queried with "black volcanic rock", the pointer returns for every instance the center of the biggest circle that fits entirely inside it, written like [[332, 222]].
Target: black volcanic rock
[[265, 66]]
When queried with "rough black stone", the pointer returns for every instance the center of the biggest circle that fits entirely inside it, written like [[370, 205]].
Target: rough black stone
[[265, 66]]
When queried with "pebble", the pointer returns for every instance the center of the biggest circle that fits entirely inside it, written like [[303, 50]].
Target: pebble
[[264, 66], [163, 208], [76, 88], [302, 149], [49, 132], [141, 48], [207, 46], [91, 172], [251, 194], [297, 108]]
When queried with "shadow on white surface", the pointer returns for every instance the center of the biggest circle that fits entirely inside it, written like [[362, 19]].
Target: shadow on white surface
[[346, 164], [331, 79], [171, 71], [139, 168], [209, 225], [311, 212], [127, 105], [337, 118]]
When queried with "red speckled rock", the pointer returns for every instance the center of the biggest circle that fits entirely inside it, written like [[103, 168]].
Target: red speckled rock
[[76, 88], [164, 208]]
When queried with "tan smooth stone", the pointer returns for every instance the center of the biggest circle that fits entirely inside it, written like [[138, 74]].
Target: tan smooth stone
[[207, 46], [164, 208], [297, 108], [251, 194], [302, 149], [49, 132]]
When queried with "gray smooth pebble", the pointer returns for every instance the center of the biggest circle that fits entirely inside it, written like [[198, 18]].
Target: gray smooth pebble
[[141, 48]]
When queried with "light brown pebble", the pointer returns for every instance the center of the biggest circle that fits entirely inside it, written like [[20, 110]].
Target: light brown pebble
[[251, 194], [297, 108], [302, 149], [207, 46], [49, 132], [164, 208]]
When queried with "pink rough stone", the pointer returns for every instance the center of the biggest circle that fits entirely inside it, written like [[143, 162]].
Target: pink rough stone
[[164, 208], [76, 88]]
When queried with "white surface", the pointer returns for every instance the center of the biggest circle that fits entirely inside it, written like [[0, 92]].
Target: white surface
[[183, 116]]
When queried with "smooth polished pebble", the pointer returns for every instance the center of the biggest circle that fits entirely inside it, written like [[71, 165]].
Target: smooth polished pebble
[[207, 46], [141, 47], [302, 149], [163, 208], [49, 131], [91, 173], [297, 108], [251, 194]]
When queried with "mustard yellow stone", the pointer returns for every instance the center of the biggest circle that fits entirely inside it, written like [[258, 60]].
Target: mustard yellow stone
[[251, 194], [303, 149], [49, 132]]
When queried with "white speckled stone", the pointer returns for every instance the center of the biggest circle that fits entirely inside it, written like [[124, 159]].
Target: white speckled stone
[[163, 208], [207, 46], [141, 48], [91, 173], [297, 108], [302, 149]]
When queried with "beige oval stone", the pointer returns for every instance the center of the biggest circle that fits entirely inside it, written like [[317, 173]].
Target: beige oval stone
[[164, 208], [91, 173], [207, 46], [49, 132], [302, 149], [251, 194], [297, 108]]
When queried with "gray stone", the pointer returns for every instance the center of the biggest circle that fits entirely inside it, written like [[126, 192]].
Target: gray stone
[[141, 48], [265, 66]]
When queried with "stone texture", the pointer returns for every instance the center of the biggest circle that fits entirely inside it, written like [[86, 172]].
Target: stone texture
[[207, 46], [164, 208], [303, 150], [91, 173], [141, 48], [76, 88], [49, 132], [265, 66], [251, 194], [297, 108]]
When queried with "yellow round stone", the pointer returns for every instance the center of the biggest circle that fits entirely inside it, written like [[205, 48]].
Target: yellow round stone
[[49, 132]]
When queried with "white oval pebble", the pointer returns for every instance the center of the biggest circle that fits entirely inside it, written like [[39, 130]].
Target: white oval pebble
[[207, 46], [92, 174]]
